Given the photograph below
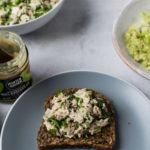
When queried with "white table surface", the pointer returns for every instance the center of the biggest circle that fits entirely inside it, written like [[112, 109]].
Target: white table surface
[[79, 38]]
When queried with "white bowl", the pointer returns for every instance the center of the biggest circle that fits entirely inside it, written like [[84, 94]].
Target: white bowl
[[34, 24], [127, 17]]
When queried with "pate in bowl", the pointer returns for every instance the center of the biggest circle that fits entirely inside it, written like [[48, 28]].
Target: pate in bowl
[[128, 17], [25, 16]]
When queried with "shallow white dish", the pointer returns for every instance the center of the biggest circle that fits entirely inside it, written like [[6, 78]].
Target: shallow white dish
[[127, 17], [34, 24], [132, 108]]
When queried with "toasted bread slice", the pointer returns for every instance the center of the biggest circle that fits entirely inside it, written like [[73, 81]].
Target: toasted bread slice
[[105, 140]]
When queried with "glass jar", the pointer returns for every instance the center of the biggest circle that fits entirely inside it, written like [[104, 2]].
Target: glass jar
[[15, 75]]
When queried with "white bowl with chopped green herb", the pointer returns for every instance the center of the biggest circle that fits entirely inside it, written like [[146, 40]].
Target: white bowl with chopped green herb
[[131, 36], [24, 16]]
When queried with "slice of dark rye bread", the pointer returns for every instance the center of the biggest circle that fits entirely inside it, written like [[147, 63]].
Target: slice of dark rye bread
[[105, 140]]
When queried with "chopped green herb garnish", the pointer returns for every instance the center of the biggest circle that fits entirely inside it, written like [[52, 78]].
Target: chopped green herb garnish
[[87, 119], [53, 131], [55, 122], [45, 10], [100, 102], [58, 93], [76, 126], [17, 1], [65, 133], [79, 102], [64, 123], [71, 98], [38, 7], [2, 4], [85, 133], [106, 114], [58, 123], [71, 120], [8, 8], [38, 14], [77, 99], [10, 20], [63, 103]]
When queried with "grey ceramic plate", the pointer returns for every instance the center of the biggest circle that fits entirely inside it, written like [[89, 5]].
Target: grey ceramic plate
[[132, 110]]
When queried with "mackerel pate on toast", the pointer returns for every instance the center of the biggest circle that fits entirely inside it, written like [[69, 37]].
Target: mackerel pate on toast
[[76, 117]]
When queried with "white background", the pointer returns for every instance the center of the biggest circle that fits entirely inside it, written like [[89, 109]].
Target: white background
[[79, 38]]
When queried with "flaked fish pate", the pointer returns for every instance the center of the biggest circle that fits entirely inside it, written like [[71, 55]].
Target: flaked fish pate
[[76, 115]]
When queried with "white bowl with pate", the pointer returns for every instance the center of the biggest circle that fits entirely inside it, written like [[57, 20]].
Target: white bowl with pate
[[25, 17], [130, 16]]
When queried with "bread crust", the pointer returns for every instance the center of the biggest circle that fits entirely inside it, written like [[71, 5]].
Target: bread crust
[[105, 140]]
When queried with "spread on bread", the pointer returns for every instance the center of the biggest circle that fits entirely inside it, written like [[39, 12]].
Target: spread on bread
[[78, 114]]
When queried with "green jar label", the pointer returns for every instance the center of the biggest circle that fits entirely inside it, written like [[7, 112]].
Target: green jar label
[[11, 88]]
